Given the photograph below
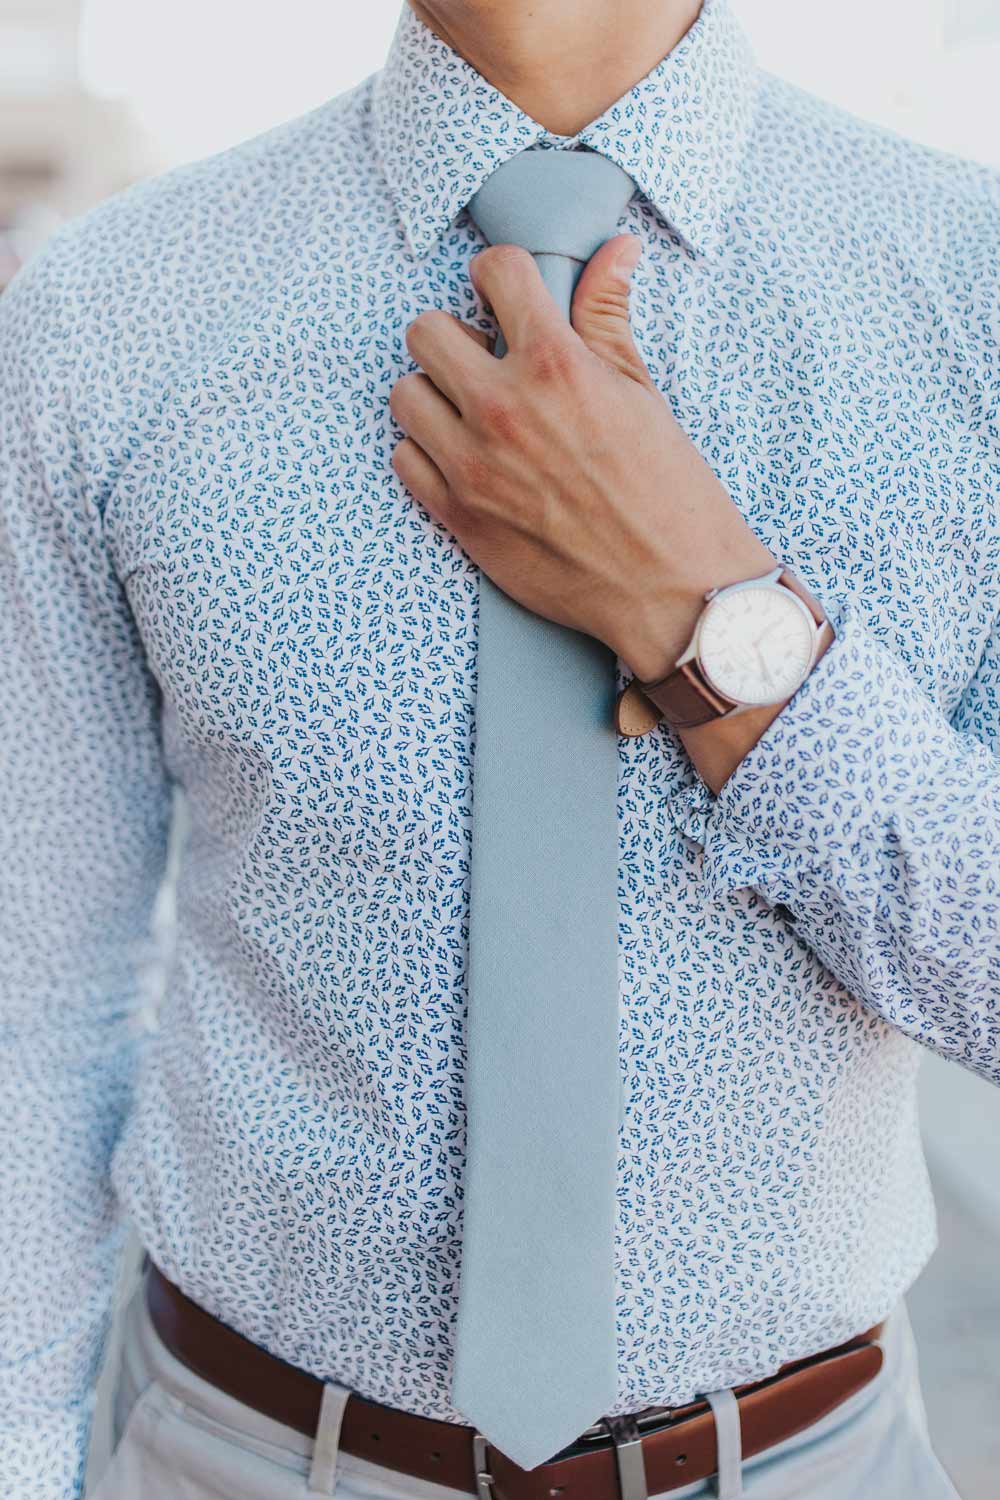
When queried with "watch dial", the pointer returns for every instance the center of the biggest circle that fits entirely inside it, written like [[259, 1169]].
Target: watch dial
[[755, 644]]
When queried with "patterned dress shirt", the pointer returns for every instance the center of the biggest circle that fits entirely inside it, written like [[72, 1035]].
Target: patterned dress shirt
[[211, 578]]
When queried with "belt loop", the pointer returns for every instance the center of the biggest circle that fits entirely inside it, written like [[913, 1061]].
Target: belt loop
[[624, 1432], [728, 1443], [481, 1467], [323, 1470]]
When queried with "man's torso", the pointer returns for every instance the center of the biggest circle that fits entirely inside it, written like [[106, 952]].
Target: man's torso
[[294, 1157]]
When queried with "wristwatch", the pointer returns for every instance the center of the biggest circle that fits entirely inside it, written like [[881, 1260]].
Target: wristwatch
[[754, 643]]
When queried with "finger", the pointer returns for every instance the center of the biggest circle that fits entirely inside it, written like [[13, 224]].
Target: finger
[[421, 476], [508, 278], [427, 416], [456, 365], [600, 311]]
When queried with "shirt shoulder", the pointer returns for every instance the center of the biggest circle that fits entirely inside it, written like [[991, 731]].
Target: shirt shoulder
[[128, 299], [241, 208], [830, 175], [215, 227]]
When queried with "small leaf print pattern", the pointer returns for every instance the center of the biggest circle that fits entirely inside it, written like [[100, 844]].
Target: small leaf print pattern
[[211, 578]]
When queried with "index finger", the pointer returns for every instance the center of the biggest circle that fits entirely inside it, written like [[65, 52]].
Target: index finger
[[508, 278]]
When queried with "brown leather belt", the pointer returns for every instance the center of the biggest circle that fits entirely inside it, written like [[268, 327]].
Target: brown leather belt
[[677, 1446]]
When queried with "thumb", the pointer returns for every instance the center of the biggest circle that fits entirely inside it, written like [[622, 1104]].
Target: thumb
[[599, 312]]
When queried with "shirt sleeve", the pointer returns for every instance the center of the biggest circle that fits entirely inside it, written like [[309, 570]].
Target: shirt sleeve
[[874, 819], [83, 839]]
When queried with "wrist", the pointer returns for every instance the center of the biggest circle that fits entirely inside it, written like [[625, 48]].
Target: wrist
[[657, 633], [660, 624]]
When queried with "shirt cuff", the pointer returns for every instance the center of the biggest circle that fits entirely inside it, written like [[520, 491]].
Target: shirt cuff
[[853, 737]]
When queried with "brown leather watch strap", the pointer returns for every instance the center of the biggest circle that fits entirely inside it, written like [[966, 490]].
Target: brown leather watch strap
[[684, 697], [678, 1447]]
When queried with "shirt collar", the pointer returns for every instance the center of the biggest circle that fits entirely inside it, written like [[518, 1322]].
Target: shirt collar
[[680, 132]]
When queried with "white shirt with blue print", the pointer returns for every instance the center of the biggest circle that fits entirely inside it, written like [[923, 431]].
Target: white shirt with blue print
[[210, 576]]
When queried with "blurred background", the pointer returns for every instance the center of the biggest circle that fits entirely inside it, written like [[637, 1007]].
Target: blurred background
[[95, 94]]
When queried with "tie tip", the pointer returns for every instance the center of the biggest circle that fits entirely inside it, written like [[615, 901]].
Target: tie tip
[[529, 1437]]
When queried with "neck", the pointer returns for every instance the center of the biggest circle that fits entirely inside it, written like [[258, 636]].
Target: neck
[[561, 61]]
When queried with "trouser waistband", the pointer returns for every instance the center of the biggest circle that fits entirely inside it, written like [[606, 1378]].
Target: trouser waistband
[[651, 1452]]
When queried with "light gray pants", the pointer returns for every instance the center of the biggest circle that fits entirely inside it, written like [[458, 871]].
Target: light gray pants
[[179, 1438]]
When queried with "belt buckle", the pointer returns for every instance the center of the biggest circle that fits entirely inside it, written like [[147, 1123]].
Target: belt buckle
[[624, 1433]]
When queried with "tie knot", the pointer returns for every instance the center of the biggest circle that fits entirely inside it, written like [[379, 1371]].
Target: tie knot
[[555, 202]]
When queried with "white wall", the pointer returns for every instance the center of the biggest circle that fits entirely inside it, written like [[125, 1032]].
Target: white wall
[[925, 67], [204, 76]]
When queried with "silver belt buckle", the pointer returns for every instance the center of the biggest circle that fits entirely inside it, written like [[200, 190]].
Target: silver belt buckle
[[623, 1432]]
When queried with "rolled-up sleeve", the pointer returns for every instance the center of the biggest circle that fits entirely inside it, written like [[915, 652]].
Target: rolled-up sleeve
[[83, 837], [874, 819]]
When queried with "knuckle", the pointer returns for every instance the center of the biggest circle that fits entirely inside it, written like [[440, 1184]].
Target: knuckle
[[404, 390], [497, 416], [503, 255], [401, 456], [423, 323], [397, 398], [552, 359]]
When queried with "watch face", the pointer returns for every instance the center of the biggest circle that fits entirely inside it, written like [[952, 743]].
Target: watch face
[[755, 644]]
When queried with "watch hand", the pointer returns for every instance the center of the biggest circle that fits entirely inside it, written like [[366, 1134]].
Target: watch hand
[[764, 669]]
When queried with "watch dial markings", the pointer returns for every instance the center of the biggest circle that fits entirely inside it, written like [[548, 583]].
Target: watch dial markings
[[755, 644]]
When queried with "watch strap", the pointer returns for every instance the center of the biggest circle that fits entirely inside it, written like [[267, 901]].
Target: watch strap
[[791, 581], [684, 697]]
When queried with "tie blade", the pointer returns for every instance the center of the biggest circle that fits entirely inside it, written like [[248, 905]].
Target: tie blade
[[554, 202], [535, 1345], [535, 1342], [490, 1395]]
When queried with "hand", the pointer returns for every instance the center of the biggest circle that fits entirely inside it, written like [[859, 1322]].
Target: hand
[[560, 468]]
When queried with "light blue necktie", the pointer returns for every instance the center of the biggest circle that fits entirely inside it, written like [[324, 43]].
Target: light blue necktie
[[535, 1356]]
